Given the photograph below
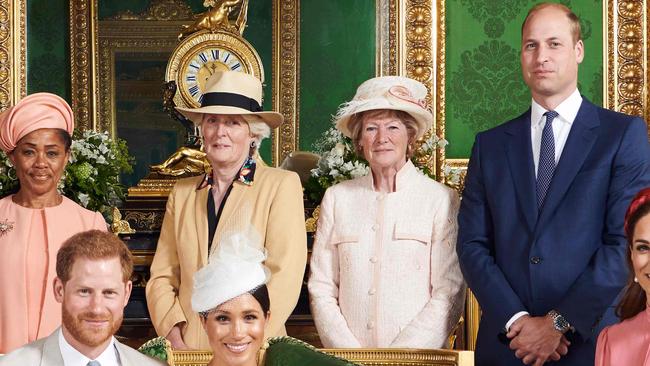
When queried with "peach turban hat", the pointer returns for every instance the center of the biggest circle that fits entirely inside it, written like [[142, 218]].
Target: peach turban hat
[[36, 111]]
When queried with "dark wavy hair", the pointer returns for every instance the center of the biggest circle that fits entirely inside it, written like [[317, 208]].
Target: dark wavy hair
[[634, 298], [261, 294]]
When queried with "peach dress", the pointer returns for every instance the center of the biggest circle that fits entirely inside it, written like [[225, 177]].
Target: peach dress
[[626, 343], [29, 241]]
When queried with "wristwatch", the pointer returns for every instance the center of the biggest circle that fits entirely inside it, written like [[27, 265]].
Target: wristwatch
[[559, 323]]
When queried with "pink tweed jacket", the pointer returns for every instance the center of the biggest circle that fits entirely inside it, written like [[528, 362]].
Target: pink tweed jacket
[[384, 271]]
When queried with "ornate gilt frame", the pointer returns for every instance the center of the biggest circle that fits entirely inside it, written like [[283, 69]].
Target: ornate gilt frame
[[12, 52]]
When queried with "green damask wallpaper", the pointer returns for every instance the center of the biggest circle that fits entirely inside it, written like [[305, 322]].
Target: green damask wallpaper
[[48, 47], [484, 86], [337, 53]]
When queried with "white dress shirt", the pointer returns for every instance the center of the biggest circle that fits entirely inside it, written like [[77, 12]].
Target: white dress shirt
[[72, 357], [567, 110]]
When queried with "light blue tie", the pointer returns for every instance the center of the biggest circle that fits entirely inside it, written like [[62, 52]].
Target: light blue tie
[[546, 165], [93, 363]]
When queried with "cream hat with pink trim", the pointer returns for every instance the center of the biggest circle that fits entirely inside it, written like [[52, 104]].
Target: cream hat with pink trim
[[397, 93]]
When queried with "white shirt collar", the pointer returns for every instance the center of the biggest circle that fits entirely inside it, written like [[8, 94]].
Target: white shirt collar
[[567, 110], [72, 357]]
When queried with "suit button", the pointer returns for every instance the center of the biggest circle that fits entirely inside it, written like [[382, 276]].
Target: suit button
[[371, 291], [535, 260], [371, 325], [373, 260], [375, 227]]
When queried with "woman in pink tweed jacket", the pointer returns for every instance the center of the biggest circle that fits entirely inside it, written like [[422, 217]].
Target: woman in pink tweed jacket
[[384, 271]]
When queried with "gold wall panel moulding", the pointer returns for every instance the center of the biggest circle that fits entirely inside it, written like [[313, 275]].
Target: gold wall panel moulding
[[83, 55], [626, 56], [12, 52], [286, 76]]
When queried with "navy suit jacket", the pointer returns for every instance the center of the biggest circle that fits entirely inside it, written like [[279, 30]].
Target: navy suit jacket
[[570, 255]]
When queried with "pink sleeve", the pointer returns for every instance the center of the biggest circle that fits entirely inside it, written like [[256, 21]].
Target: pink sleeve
[[602, 349]]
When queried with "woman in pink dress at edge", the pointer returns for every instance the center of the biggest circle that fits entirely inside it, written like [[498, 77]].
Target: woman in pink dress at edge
[[36, 136], [628, 342]]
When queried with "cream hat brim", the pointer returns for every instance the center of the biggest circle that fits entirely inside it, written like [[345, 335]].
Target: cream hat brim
[[422, 117], [272, 119], [397, 93]]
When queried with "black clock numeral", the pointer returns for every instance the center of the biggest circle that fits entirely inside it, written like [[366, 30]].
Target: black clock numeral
[[194, 90], [235, 66], [203, 57], [226, 59], [201, 98], [191, 78], [215, 55], [195, 66]]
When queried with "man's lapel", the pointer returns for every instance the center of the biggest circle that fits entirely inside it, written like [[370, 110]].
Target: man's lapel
[[520, 160], [578, 145], [51, 350]]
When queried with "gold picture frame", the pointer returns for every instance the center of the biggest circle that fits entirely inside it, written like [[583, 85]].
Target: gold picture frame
[[12, 52]]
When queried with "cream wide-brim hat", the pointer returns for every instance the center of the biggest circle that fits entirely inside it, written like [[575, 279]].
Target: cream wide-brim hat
[[387, 92], [233, 92]]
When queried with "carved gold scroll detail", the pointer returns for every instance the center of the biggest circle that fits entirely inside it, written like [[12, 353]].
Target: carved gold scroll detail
[[285, 74], [12, 52], [627, 56]]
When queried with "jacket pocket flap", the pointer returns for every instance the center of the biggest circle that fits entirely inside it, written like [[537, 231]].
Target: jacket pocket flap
[[418, 230]]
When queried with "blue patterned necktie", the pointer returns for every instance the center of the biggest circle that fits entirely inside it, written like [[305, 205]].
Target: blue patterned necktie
[[93, 363], [546, 165]]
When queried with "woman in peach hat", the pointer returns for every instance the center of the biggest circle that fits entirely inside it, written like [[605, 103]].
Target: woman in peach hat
[[36, 136], [384, 271]]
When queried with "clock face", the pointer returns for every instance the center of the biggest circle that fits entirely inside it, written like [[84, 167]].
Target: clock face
[[202, 54], [202, 65]]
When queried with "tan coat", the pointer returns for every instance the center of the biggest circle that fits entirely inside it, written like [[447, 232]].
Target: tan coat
[[272, 204]]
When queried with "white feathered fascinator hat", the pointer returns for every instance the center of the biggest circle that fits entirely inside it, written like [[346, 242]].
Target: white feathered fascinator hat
[[387, 92], [234, 268]]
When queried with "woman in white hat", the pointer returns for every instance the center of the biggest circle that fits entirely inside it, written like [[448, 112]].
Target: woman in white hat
[[232, 299], [384, 271], [236, 194]]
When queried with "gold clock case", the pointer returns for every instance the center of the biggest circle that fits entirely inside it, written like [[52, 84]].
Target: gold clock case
[[202, 41]]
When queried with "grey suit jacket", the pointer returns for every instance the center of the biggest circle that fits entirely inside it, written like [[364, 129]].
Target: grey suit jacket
[[46, 352]]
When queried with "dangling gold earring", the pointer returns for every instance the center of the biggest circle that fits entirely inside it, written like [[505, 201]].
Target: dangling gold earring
[[251, 150]]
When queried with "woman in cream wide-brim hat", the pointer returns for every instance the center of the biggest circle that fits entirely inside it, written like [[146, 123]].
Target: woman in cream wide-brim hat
[[384, 271], [237, 193]]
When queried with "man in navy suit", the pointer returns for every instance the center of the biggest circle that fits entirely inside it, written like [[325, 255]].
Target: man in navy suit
[[541, 240]]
